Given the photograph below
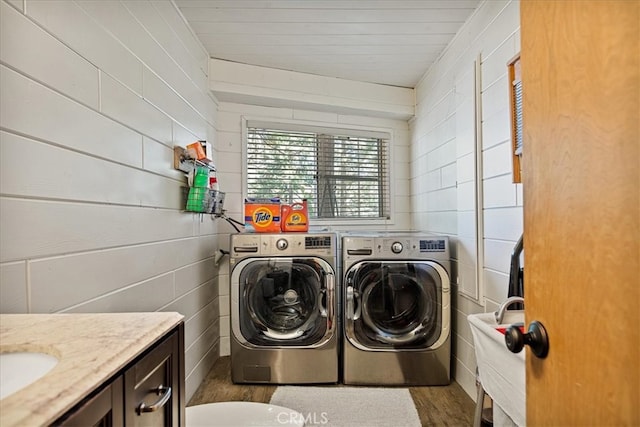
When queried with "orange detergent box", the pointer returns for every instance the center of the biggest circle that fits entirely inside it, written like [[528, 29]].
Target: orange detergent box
[[295, 217], [262, 215]]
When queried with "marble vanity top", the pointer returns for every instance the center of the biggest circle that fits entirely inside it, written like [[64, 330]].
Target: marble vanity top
[[90, 348]]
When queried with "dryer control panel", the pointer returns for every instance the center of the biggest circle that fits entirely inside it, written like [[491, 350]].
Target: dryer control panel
[[396, 247]]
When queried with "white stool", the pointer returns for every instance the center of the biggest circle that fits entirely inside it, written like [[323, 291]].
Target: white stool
[[232, 414]]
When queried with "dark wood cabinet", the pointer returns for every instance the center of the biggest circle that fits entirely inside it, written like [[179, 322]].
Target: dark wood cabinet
[[103, 409], [152, 387], [147, 392]]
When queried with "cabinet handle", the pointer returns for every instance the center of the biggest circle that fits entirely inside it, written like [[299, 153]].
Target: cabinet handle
[[164, 392]]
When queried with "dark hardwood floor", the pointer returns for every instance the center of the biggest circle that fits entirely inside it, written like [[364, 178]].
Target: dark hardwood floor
[[437, 406]]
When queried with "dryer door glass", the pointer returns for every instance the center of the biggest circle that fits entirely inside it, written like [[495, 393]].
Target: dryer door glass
[[283, 301], [400, 304]]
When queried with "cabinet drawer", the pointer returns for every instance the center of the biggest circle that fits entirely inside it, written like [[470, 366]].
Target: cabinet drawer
[[102, 410], [152, 387]]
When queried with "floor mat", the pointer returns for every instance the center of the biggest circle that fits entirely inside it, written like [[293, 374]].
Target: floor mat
[[350, 406]]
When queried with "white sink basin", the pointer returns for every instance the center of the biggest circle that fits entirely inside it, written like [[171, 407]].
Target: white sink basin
[[18, 370], [502, 373]]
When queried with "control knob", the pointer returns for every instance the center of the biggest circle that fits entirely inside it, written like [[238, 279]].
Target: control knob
[[396, 247], [282, 244]]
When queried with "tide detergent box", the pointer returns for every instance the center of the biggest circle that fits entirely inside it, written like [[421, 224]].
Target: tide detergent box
[[262, 215], [295, 217]]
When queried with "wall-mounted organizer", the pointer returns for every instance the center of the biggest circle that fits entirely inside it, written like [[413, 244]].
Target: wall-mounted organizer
[[183, 161], [202, 194], [203, 200]]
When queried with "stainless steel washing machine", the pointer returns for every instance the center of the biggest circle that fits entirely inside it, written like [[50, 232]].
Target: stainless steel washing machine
[[284, 318], [397, 310]]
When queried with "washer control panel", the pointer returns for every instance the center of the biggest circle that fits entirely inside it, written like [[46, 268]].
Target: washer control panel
[[282, 244], [395, 247]]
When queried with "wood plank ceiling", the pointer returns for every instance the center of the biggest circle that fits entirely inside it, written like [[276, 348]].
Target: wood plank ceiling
[[391, 42]]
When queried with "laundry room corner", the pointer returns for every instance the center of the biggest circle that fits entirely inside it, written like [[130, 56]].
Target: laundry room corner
[[461, 168]]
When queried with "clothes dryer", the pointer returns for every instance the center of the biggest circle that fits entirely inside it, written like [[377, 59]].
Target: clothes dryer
[[284, 320], [397, 310]]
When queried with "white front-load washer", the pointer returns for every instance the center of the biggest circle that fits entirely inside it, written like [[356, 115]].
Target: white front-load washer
[[397, 310], [284, 319]]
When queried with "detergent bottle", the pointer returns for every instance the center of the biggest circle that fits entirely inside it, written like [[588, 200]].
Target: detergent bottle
[[295, 217]]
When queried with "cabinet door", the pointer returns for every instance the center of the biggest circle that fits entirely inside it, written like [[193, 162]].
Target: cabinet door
[[153, 389], [102, 410]]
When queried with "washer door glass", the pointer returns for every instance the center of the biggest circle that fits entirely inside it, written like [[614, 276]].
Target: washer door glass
[[398, 304], [283, 301]]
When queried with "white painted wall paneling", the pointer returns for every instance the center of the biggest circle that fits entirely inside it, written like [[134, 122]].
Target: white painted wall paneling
[[39, 55], [191, 43], [120, 22], [91, 41], [131, 109], [148, 295], [56, 173], [231, 80], [493, 32], [29, 108], [13, 287], [29, 231], [93, 221], [181, 47], [499, 192], [503, 223]]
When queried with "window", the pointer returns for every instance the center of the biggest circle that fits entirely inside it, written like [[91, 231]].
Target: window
[[341, 173], [515, 95]]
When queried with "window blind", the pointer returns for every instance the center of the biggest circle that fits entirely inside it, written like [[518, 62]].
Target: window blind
[[515, 103], [342, 175], [517, 107]]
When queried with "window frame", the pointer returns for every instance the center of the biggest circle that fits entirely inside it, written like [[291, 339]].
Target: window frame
[[312, 126], [515, 76]]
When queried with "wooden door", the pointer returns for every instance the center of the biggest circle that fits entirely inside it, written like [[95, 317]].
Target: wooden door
[[581, 181]]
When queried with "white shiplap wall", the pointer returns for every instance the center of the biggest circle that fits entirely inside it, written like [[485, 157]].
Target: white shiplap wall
[[94, 97], [442, 167], [229, 125]]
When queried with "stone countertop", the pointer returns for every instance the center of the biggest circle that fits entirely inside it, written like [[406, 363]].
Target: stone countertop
[[90, 348]]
